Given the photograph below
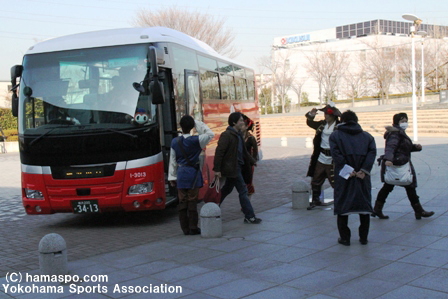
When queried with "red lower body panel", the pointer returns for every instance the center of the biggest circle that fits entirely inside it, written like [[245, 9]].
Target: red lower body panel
[[111, 193]]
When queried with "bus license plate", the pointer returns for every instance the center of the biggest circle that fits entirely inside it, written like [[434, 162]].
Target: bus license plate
[[85, 206]]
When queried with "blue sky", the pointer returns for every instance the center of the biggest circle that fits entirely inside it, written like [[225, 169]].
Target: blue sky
[[255, 23]]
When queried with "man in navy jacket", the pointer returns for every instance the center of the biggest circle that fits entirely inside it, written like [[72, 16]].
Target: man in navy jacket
[[184, 171]]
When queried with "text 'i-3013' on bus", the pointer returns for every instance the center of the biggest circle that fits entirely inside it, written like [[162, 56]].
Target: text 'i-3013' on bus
[[97, 112]]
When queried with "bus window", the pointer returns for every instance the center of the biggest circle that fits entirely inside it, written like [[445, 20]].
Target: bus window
[[210, 85], [192, 91], [227, 87], [34, 112], [251, 90], [250, 84], [225, 68], [241, 89], [239, 72], [207, 63], [183, 60]]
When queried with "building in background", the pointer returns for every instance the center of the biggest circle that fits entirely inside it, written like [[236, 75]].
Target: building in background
[[5, 94], [370, 58]]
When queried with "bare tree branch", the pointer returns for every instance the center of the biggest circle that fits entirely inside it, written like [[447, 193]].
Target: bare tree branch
[[284, 73], [194, 23], [379, 65], [327, 68]]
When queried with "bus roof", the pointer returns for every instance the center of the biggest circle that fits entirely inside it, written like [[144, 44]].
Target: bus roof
[[123, 36]]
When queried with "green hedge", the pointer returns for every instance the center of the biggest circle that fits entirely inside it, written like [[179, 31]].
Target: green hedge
[[7, 121], [307, 104]]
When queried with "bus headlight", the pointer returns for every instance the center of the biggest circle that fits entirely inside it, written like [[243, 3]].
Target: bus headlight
[[140, 188], [33, 194]]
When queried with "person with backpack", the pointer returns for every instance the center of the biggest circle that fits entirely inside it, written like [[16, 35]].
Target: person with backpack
[[185, 173]]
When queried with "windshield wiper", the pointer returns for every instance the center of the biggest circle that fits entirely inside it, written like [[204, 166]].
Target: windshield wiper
[[46, 133]]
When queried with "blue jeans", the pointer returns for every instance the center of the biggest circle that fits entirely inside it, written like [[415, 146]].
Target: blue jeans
[[241, 187]]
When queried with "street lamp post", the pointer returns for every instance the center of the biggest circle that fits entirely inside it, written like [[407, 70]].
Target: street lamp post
[[413, 28], [423, 35]]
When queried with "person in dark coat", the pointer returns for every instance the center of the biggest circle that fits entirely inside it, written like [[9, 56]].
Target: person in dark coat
[[230, 157], [250, 142], [355, 149], [321, 164], [184, 171], [398, 152]]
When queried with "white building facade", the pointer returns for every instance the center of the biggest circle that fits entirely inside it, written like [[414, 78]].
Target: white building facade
[[5, 94], [371, 58]]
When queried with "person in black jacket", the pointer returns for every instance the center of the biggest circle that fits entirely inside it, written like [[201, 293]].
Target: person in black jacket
[[398, 152], [230, 157], [354, 151], [321, 164], [250, 142]]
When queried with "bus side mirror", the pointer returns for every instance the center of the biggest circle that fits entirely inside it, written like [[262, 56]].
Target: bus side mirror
[[16, 71], [156, 86], [15, 104]]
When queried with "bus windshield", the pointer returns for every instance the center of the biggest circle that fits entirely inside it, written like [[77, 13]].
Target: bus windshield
[[84, 87]]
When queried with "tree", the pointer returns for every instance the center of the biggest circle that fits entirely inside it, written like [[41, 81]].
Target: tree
[[194, 23], [435, 63], [379, 65], [284, 73], [355, 81], [327, 68], [265, 99], [7, 121], [297, 85]]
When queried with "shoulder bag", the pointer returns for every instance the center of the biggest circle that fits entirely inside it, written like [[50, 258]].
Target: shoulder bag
[[398, 175]]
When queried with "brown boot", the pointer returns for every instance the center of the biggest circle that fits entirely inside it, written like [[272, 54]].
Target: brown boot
[[378, 210], [419, 212]]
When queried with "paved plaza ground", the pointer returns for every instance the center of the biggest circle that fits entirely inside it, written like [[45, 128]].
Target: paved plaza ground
[[292, 254]]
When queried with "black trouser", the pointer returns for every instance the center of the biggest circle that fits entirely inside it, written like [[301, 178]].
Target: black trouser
[[344, 230], [321, 172], [387, 188]]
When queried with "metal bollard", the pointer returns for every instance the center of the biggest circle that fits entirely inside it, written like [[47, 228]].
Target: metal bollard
[[211, 222], [300, 195], [53, 255]]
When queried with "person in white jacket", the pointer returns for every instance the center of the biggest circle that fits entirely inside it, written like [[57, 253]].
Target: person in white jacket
[[185, 173]]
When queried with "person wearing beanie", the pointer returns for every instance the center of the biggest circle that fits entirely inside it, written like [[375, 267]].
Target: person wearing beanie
[[321, 164], [398, 152]]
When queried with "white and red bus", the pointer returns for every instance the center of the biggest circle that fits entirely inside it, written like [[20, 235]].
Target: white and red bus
[[82, 147]]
